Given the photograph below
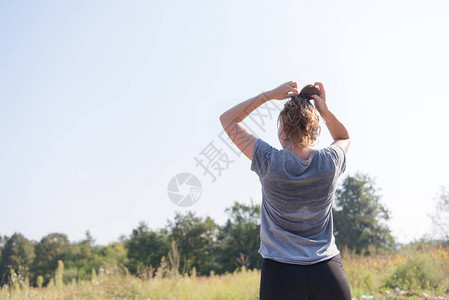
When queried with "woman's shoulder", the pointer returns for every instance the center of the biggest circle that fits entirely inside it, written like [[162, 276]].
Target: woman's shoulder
[[335, 154], [329, 150]]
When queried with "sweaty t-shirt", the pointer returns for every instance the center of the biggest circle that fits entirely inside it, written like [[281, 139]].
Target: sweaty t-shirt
[[297, 195]]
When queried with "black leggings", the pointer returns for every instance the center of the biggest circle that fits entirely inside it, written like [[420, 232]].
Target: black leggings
[[324, 280]]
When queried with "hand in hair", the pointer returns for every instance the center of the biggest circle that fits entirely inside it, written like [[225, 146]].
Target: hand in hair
[[283, 91], [320, 99]]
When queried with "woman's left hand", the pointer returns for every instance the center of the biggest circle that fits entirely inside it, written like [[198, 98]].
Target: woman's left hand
[[284, 91]]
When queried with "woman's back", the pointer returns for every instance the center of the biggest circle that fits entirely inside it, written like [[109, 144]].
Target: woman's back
[[297, 194], [300, 258]]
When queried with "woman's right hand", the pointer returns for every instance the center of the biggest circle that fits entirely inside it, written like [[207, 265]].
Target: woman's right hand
[[284, 91], [320, 100]]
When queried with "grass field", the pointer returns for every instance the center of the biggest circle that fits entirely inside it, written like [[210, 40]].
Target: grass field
[[419, 271]]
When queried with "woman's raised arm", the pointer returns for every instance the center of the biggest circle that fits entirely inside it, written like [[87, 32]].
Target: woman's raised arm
[[232, 118], [338, 131]]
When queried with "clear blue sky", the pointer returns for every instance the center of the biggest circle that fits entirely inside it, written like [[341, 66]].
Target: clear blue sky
[[102, 103]]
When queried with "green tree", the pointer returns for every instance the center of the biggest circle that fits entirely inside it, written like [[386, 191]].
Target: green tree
[[50, 249], [17, 254], [83, 256], [239, 238], [145, 248], [2, 243], [80, 258], [359, 216], [114, 254], [195, 238]]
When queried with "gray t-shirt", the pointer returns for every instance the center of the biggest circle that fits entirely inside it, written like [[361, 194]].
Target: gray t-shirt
[[297, 195]]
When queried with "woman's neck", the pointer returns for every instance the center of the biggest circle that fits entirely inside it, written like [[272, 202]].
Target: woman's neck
[[302, 152]]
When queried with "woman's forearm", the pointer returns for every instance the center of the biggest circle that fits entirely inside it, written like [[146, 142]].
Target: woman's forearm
[[337, 130], [239, 112]]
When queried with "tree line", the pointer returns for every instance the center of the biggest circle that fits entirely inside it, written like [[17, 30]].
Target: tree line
[[198, 244]]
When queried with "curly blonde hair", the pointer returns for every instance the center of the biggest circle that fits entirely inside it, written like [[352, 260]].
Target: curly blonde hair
[[300, 120]]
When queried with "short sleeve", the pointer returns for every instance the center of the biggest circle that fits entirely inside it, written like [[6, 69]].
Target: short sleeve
[[339, 157], [262, 154]]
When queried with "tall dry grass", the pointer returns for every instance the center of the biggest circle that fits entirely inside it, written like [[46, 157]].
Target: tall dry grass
[[416, 272]]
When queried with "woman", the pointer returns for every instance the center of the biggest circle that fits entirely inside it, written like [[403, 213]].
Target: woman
[[299, 257]]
